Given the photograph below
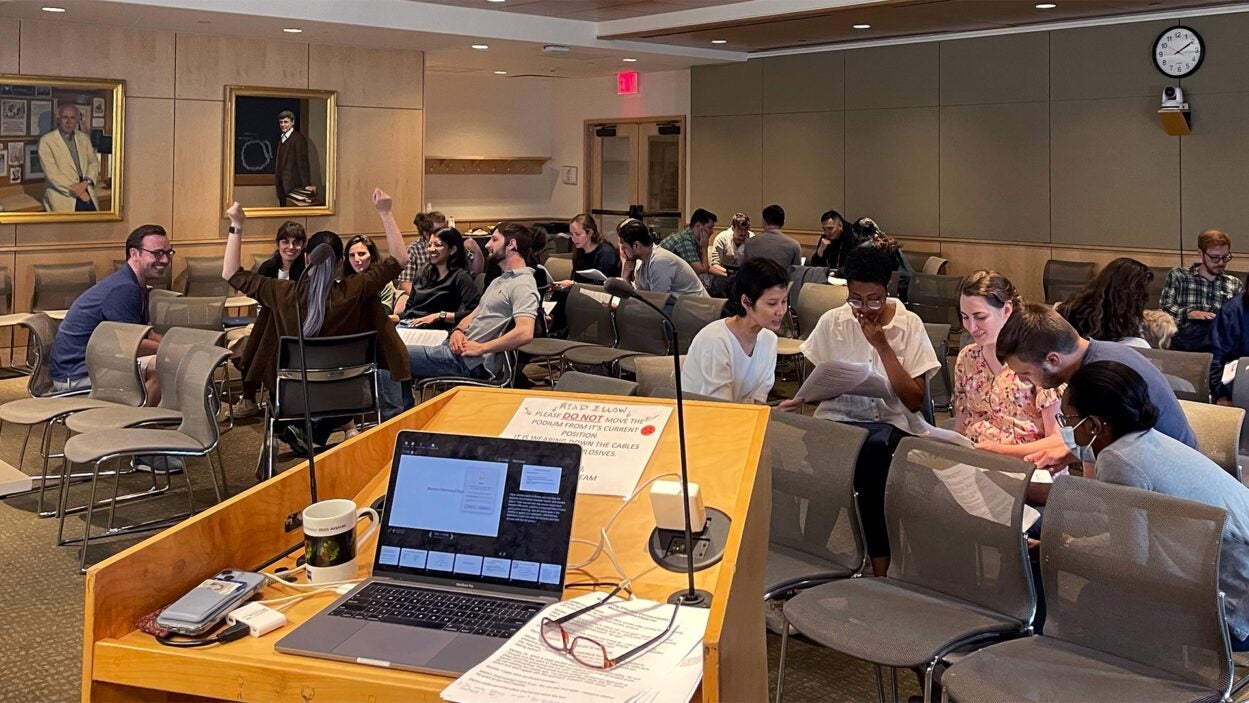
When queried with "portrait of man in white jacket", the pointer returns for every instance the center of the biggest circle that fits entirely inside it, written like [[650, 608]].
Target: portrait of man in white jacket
[[70, 164]]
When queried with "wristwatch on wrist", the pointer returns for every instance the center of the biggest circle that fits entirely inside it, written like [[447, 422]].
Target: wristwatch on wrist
[[442, 315], [456, 329], [235, 230]]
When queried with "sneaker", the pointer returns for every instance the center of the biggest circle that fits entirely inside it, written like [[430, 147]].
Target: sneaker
[[294, 438], [159, 464], [244, 407]]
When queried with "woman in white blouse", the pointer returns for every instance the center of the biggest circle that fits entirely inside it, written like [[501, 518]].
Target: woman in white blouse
[[734, 358]]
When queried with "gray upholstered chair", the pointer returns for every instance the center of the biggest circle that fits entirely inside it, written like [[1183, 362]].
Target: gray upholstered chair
[[959, 574], [691, 313], [1156, 285], [935, 264], [578, 382], [1240, 398], [639, 330], [115, 379], [939, 399], [935, 299], [815, 535], [203, 313], [653, 373], [559, 268], [196, 436], [1133, 608], [1218, 432], [202, 278], [813, 301], [589, 322], [1062, 278], [1187, 372], [58, 285]]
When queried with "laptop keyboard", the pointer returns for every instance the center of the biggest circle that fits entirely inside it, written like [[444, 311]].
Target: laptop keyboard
[[438, 610]]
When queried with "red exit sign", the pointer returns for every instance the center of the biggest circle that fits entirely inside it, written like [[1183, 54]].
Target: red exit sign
[[627, 83]]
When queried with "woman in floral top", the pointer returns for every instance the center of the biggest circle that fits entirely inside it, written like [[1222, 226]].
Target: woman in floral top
[[991, 406]]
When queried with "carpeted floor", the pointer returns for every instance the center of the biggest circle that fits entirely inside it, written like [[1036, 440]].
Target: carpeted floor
[[42, 592]]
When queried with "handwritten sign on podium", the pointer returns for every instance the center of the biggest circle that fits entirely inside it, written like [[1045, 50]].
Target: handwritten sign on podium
[[616, 439]]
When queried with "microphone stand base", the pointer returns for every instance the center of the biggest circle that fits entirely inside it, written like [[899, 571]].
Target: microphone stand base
[[700, 599]]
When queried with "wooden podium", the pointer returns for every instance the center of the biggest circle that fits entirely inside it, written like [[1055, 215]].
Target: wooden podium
[[725, 445]]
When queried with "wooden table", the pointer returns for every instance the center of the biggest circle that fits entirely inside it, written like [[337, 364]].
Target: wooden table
[[727, 459]]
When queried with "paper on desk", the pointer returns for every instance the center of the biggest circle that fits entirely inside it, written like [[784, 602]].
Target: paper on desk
[[525, 670], [593, 275], [418, 337], [834, 378]]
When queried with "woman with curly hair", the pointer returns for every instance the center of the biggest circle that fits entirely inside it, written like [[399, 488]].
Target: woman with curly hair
[[1111, 307]]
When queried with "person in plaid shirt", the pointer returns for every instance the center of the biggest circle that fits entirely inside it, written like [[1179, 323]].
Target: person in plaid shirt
[[691, 243], [426, 224], [1194, 295]]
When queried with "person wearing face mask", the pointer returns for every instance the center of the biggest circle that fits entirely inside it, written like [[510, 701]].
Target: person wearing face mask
[[1045, 350], [1109, 421], [991, 406], [878, 332], [734, 358]]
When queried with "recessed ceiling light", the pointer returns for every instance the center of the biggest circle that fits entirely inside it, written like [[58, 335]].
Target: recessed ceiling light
[[719, 41], [499, 73], [862, 26], [481, 47], [629, 59], [1046, 6], [292, 30], [53, 9]]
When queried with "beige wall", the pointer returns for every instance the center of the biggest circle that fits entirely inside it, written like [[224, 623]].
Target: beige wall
[[174, 115], [1046, 138]]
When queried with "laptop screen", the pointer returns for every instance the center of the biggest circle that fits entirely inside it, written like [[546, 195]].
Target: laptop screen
[[479, 510]]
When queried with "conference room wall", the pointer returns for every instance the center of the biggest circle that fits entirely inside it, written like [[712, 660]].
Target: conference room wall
[[174, 115], [970, 146]]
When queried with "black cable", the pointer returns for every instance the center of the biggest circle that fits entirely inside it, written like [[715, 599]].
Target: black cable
[[231, 633]]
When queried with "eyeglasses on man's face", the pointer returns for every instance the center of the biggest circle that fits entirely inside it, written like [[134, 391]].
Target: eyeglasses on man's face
[[590, 652], [1218, 259], [160, 253]]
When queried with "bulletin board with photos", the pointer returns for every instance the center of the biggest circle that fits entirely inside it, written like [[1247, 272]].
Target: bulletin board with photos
[[60, 148]]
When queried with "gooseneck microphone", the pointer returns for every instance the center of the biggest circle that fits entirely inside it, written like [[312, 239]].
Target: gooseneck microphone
[[319, 255], [692, 596]]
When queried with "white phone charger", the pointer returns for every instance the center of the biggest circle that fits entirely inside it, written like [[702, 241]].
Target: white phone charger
[[666, 505], [259, 618]]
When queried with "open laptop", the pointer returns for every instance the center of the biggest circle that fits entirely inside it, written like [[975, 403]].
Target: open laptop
[[473, 543]]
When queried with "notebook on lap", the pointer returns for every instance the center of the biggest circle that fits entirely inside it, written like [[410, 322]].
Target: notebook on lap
[[473, 543]]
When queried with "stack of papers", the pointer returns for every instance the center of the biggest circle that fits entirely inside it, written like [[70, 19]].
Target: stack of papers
[[421, 337], [526, 670]]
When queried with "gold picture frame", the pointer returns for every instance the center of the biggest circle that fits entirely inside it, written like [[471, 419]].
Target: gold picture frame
[[39, 181], [253, 149]]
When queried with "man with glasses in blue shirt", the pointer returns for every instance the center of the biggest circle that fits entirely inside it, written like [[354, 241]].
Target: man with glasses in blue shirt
[[121, 297], [1194, 295]]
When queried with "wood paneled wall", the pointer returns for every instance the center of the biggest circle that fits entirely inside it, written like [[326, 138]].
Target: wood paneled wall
[[174, 116], [1042, 138]]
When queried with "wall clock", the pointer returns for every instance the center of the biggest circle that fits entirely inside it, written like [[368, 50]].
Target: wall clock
[[1178, 52]]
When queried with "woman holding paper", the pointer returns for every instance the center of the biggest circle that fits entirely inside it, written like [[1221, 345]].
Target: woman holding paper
[[590, 252], [1108, 421], [734, 358], [991, 406], [877, 338], [443, 291]]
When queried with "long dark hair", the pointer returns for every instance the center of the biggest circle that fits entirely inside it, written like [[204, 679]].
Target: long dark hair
[[456, 259], [348, 270], [1112, 305]]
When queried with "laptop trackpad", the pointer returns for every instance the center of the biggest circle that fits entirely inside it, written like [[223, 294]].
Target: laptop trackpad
[[466, 652], [395, 643]]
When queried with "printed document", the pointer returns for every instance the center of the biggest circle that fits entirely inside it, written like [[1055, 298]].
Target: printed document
[[421, 337], [593, 275], [834, 378], [526, 670], [920, 428]]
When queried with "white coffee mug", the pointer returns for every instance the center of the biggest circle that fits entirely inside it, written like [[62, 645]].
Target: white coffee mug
[[330, 541]]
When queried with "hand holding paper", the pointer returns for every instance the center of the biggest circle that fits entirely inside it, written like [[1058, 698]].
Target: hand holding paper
[[834, 378]]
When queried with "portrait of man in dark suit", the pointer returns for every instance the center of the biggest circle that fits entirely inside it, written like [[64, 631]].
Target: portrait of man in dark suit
[[294, 163]]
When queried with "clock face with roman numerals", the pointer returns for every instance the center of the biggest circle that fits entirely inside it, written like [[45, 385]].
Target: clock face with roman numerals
[[1178, 52]]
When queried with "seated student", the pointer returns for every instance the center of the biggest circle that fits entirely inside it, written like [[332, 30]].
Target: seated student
[[1111, 307], [866, 231], [286, 264], [120, 297], [1109, 420], [1158, 328], [772, 243], [1229, 340], [426, 224], [443, 291], [1195, 294], [329, 307], [654, 268], [361, 254], [734, 358], [589, 252], [991, 406], [836, 240], [691, 243], [511, 299], [728, 250], [1044, 349], [875, 331]]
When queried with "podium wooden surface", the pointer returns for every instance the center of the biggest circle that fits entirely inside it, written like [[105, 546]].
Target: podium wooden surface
[[725, 445]]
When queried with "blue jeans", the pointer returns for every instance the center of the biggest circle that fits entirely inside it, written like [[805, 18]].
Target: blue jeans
[[432, 362], [393, 396]]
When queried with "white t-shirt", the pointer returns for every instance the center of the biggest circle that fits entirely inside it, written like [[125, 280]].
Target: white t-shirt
[[838, 337], [716, 365]]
